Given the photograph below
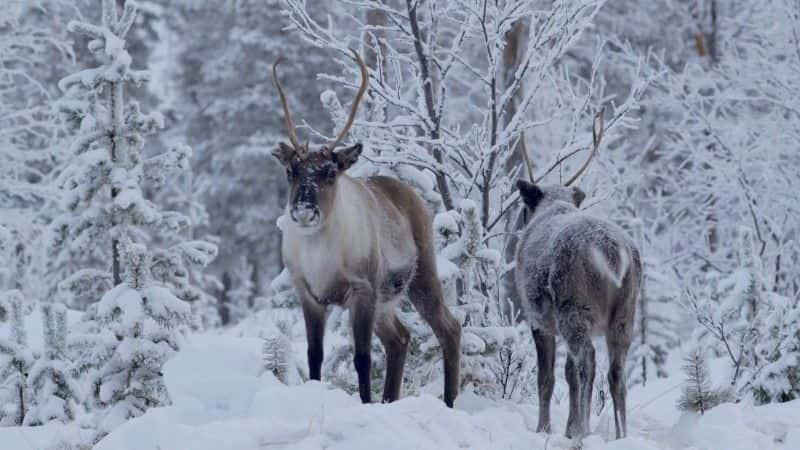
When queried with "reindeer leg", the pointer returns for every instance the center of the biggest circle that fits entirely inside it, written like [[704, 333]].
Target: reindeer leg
[[617, 351], [574, 418], [574, 324], [314, 316], [394, 337], [588, 384], [425, 294], [362, 318], [546, 359]]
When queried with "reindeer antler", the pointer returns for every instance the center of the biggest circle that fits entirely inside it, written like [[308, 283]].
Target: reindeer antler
[[597, 137], [526, 157], [353, 109], [286, 113]]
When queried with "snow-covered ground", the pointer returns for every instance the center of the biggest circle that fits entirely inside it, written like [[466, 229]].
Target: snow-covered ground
[[221, 400]]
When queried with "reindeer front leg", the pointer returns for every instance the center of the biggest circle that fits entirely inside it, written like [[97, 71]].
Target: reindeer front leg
[[314, 317], [362, 320]]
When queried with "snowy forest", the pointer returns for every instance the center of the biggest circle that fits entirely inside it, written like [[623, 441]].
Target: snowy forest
[[144, 299]]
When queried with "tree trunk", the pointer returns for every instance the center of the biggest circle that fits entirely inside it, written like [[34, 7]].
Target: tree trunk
[[515, 42], [21, 417], [115, 100], [374, 56], [374, 41], [255, 278], [515, 39], [430, 103], [225, 300]]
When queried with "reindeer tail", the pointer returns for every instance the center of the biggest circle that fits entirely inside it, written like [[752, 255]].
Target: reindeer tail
[[604, 266]]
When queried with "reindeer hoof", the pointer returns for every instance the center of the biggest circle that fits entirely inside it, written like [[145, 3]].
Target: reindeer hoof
[[577, 443]]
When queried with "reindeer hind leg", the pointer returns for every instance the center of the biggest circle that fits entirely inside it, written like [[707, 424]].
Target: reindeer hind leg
[[618, 344], [425, 294], [545, 360], [394, 337], [574, 324]]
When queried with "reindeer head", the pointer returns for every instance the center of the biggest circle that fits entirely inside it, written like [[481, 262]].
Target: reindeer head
[[533, 195], [313, 176]]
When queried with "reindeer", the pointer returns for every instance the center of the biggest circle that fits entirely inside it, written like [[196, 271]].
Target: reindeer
[[361, 244], [576, 276]]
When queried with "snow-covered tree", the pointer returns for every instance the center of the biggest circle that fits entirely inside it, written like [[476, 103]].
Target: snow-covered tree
[[277, 353], [225, 106], [775, 375], [656, 330], [187, 271], [440, 120], [103, 181], [32, 50], [127, 337], [730, 143], [55, 394], [16, 360], [754, 328], [239, 290], [698, 395]]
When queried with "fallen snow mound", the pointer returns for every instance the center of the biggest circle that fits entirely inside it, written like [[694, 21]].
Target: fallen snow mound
[[221, 400]]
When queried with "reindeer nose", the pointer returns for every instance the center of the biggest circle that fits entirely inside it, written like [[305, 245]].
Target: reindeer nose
[[304, 214]]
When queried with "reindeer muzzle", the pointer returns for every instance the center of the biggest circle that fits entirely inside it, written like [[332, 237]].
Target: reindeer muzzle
[[305, 215]]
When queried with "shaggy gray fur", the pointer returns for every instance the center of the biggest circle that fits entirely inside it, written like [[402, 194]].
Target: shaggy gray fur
[[577, 276]]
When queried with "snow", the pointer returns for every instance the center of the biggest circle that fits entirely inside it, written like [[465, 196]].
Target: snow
[[699, 170], [446, 269], [221, 399], [34, 328]]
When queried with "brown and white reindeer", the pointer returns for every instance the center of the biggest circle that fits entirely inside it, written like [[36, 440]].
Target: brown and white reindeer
[[361, 244], [577, 276]]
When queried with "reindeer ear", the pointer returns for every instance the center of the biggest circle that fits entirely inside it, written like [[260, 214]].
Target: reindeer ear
[[530, 193], [284, 153], [578, 196], [346, 157]]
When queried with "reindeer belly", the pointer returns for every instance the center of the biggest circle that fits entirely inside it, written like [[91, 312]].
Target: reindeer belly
[[398, 256], [394, 283]]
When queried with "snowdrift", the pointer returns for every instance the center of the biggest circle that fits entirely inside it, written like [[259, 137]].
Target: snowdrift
[[221, 400]]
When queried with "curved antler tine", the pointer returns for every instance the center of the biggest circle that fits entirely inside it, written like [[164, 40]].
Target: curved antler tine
[[353, 109], [526, 157], [597, 137], [285, 104]]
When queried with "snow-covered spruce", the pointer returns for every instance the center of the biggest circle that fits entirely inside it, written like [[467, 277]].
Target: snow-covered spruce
[[127, 337], [103, 181], [754, 328], [278, 355], [16, 360], [697, 394], [775, 372], [240, 186], [55, 392], [33, 51]]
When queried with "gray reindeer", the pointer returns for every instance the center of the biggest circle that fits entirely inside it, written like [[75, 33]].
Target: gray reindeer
[[577, 276], [361, 244]]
